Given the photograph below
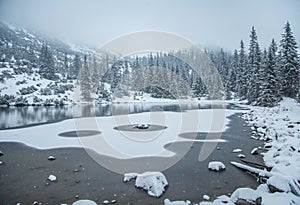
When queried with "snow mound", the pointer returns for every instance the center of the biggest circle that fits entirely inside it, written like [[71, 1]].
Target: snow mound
[[153, 182], [168, 202], [84, 202], [216, 166]]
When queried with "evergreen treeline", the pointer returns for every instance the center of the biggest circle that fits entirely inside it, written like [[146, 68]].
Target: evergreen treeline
[[262, 77]]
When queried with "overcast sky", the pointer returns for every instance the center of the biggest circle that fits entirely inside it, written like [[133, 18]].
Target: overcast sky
[[221, 23]]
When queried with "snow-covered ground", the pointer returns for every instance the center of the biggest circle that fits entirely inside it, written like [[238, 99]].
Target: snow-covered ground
[[15, 84]]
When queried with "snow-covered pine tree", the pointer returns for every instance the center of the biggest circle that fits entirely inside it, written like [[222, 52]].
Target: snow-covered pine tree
[[254, 61], [47, 69], [243, 74], [289, 63], [274, 60], [85, 81], [268, 93], [232, 73]]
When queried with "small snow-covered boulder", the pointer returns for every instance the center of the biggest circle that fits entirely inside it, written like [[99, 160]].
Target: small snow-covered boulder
[[237, 150], [84, 202], [105, 202], [278, 183], [141, 126], [52, 178], [206, 197], [1, 162], [1, 153], [51, 158], [254, 151], [245, 196], [129, 176], [216, 166], [241, 156], [168, 202], [153, 182]]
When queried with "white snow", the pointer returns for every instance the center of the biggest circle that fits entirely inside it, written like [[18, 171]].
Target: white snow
[[105, 202], [247, 194], [111, 142], [51, 158], [241, 156], [52, 178], [280, 182], [216, 166], [237, 150], [168, 202], [84, 202], [254, 151], [205, 197], [153, 182]]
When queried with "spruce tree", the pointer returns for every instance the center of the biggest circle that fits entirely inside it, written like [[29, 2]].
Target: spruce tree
[[289, 63], [254, 61], [232, 73], [242, 80], [85, 81], [268, 95], [47, 69]]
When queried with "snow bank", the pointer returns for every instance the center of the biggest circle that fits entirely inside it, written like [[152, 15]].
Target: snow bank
[[216, 166], [280, 126], [153, 182]]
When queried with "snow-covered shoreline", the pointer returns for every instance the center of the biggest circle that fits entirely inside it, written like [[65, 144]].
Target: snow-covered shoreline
[[280, 128]]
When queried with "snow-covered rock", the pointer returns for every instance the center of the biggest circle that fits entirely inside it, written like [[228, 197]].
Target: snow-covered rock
[[216, 166], [51, 158], [254, 151], [52, 178], [153, 182], [206, 197], [241, 156], [278, 183], [141, 126], [245, 195], [237, 150], [168, 202], [84, 202]]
